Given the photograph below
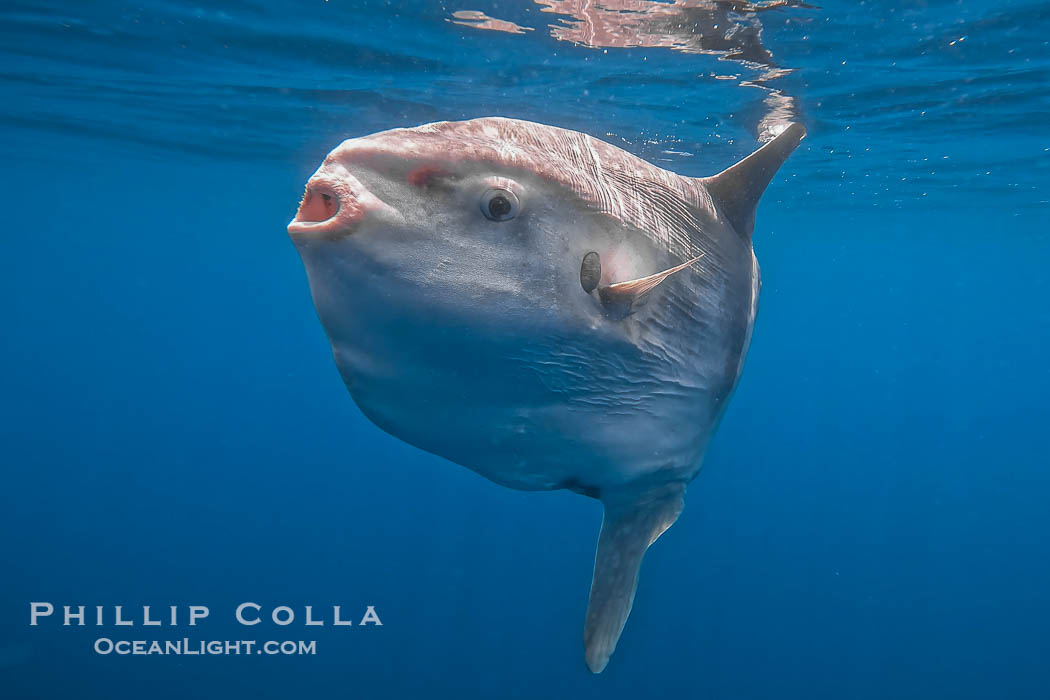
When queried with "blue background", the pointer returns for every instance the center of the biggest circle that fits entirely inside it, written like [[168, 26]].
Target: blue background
[[871, 520]]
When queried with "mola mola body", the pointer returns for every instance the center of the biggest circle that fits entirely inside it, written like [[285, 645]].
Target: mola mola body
[[543, 308]]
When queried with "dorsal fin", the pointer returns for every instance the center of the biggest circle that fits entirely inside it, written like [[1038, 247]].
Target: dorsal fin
[[737, 189]]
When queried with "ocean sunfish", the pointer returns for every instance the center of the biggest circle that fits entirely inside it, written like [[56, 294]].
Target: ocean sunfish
[[543, 308]]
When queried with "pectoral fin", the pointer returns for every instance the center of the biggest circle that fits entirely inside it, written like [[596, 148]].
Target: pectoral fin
[[619, 298], [632, 522]]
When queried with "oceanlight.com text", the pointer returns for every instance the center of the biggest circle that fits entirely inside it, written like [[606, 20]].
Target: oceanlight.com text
[[188, 647]]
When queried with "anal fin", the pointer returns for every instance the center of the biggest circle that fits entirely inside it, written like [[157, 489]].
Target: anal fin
[[632, 522]]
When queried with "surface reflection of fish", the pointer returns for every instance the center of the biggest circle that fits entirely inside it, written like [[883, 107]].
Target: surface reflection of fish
[[729, 29], [543, 308], [479, 20]]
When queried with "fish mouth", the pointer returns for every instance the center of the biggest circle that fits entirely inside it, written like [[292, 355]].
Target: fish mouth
[[319, 204], [324, 208], [335, 203]]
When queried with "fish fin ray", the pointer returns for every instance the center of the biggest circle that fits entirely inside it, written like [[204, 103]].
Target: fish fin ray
[[624, 294], [629, 526]]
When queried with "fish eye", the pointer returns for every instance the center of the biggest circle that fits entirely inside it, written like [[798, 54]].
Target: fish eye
[[498, 204]]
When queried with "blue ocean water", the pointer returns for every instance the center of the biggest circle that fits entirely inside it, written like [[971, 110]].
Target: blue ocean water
[[871, 520]]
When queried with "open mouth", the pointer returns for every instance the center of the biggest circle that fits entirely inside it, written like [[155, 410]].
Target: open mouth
[[337, 204], [317, 206], [318, 209]]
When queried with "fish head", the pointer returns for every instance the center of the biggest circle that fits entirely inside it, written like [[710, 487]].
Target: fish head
[[457, 219]]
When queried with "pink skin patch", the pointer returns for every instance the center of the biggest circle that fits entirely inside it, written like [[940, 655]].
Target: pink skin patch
[[424, 175]]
